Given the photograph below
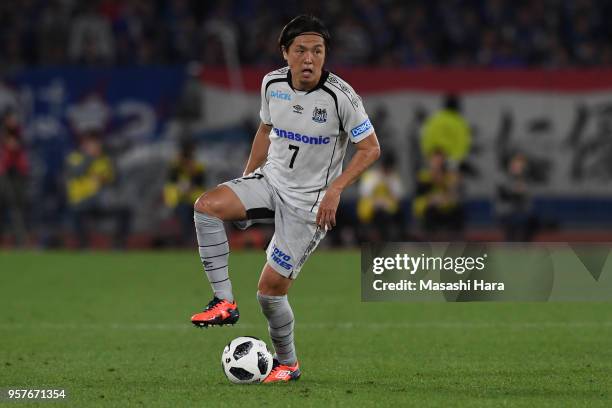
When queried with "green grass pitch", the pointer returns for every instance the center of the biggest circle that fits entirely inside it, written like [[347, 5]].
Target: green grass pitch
[[113, 329]]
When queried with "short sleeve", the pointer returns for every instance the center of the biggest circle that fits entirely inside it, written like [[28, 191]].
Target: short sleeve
[[355, 120], [264, 111]]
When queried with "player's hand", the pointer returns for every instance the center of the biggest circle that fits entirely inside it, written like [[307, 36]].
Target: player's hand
[[326, 216]]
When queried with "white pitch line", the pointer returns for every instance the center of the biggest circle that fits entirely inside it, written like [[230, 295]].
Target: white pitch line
[[312, 326]]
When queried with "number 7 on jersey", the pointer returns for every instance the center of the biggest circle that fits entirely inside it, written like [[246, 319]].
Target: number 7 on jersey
[[297, 149]]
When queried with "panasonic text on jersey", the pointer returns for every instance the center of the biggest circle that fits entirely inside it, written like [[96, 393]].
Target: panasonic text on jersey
[[314, 140]]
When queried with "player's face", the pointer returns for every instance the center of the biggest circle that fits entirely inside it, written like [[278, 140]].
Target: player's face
[[305, 57]]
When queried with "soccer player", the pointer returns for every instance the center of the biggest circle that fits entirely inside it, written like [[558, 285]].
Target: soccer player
[[293, 177]]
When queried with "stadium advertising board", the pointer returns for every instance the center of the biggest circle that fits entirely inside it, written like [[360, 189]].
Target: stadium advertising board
[[561, 119]]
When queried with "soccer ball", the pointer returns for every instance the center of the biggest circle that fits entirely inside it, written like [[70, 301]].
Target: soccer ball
[[246, 360]]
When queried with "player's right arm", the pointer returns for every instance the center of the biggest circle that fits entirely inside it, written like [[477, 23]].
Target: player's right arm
[[261, 143], [259, 149]]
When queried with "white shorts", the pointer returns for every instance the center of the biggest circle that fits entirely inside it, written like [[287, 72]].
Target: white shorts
[[296, 234]]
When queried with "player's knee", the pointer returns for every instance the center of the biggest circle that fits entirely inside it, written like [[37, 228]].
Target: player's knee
[[273, 287], [263, 287], [200, 204], [270, 289], [207, 204]]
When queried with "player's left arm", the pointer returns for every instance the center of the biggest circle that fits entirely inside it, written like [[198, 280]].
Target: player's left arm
[[368, 151]]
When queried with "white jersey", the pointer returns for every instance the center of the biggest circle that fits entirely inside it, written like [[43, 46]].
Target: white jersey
[[309, 136]]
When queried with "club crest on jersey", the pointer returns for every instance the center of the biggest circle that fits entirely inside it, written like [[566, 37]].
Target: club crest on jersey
[[319, 115]]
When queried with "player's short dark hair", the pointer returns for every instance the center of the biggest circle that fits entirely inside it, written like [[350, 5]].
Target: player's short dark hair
[[300, 25]]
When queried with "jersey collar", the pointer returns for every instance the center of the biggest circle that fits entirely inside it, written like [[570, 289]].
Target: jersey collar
[[324, 76]]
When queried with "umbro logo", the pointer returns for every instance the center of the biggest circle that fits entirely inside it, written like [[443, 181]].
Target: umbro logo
[[283, 374], [298, 109]]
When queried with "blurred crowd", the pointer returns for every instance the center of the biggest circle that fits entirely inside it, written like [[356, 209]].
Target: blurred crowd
[[435, 209], [86, 203], [487, 33], [88, 194]]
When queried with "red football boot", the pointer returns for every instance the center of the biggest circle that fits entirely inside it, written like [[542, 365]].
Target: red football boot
[[217, 313], [283, 373]]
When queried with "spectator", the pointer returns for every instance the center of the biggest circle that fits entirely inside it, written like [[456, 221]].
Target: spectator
[[513, 206], [379, 206], [438, 202], [185, 183], [14, 170], [90, 177], [488, 33], [353, 41], [91, 38], [53, 33], [448, 132]]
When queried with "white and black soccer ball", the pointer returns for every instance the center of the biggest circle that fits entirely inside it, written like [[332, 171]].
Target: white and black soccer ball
[[246, 360]]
